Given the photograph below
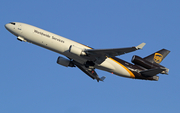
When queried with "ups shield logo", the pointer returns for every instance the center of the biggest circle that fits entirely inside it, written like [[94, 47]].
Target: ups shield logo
[[158, 57]]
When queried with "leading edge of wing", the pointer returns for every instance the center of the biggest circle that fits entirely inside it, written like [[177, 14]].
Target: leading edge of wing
[[99, 55], [115, 51]]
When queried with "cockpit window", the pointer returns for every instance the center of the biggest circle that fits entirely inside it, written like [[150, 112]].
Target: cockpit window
[[13, 23]]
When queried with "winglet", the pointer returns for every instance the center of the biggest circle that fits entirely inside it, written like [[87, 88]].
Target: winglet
[[102, 78], [140, 46]]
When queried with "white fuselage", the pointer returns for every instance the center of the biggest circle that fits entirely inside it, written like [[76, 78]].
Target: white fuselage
[[61, 45]]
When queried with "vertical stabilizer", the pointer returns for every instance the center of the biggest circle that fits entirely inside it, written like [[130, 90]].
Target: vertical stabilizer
[[158, 56]]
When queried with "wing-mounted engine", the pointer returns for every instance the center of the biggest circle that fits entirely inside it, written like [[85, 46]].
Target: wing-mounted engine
[[65, 62], [77, 51], [89, 71]]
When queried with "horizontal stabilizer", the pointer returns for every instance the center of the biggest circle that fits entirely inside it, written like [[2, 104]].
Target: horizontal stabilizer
[[152, 72]]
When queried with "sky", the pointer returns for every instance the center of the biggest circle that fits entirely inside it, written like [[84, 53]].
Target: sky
[[32, 82]]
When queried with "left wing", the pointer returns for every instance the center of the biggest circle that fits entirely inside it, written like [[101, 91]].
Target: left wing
[[99, 55], [89, 71]]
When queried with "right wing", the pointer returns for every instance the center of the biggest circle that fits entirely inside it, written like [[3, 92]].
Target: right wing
[[99, 55]]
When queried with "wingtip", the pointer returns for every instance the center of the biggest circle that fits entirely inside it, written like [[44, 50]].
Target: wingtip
[[102, 78], [140, 46]]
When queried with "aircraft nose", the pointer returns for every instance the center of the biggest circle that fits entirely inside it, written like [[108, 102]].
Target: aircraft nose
[[11, 27], [7, 26]]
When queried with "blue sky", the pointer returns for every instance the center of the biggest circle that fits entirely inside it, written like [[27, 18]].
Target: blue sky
[[31, 81]]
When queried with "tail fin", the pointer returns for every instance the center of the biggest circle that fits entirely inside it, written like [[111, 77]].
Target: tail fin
[[158, 56]]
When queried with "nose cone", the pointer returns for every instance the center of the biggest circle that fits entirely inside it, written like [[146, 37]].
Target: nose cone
[[7, 26], [11, 28]]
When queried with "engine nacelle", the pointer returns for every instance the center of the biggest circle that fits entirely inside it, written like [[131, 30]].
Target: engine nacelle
[[75, 50], [144, 63], [65, 62]]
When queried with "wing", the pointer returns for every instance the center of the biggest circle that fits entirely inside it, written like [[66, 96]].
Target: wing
[[89, 71], [99, 55]]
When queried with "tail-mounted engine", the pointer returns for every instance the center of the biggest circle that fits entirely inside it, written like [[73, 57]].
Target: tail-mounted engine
[[144, 63], [65, 62], [148, 65], [77, 51]]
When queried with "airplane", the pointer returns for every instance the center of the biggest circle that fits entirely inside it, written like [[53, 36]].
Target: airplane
[[88, 59]]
